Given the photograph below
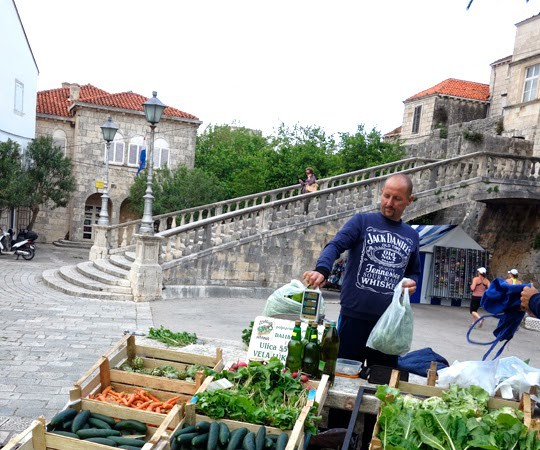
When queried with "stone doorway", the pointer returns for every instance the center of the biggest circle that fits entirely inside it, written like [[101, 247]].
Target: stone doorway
[[92, 209], [126, 214]]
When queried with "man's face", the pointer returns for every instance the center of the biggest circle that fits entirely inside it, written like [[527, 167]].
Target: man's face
[[394, 199]]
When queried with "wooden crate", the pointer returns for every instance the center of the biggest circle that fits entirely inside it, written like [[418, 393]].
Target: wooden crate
[[433, 391], [296, 435], [106, 373], [37, 438]]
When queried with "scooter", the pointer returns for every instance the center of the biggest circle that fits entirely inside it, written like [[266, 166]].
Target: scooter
[[24, 248]]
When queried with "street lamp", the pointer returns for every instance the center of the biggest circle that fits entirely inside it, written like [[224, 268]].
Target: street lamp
[[153, 109], [108, 129]]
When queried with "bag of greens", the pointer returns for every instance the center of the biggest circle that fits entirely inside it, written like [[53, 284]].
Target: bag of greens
[[287, 300], [394, 330]]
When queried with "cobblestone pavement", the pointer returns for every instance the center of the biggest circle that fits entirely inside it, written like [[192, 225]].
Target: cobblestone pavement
[[49, 339]]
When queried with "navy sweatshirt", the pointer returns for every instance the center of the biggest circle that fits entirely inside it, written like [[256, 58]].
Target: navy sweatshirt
[[381, 253], [534, 305]]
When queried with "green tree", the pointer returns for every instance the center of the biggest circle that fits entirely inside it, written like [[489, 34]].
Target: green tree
[[48, 178], [361, 150], [237, 156], [176, 189], [10, 172]]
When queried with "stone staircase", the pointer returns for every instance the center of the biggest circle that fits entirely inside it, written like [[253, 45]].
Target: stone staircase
[[105, 279]]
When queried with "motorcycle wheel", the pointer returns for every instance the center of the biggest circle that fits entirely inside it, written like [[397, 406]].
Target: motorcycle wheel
[[29, 254]]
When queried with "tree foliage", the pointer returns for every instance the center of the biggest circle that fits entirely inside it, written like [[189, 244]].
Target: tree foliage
[[10, 172], [47, 180]]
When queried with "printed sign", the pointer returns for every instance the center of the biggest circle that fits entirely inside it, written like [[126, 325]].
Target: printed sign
[[100, 184], [271, 336]]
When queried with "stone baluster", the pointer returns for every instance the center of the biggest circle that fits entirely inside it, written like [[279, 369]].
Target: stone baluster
[[168, 250]]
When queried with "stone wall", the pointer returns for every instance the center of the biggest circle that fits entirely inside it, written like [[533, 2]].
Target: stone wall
[[456, 143], [450, 111], [86, 148]]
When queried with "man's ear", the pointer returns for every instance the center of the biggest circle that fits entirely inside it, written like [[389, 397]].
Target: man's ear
[[411, 199]]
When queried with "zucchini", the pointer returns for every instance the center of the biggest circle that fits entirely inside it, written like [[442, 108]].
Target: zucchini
[[120, 440], [213, 436], [200, 440], [97, 432], [63, 416], [98, 423], [102, 441], [185, 439], [80, 420], [130, 424], [249, 441], [268, 443], [106, 419], [224, 434], [188, 429], [282, 440], [66, 434], [202, 426], [236, 438], [260, 439]]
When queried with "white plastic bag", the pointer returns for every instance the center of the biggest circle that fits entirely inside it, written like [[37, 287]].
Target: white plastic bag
[[393, 332], [470, 373], [279, 303]]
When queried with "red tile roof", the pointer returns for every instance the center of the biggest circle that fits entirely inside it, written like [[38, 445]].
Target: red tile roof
[[457, 88], [393, 132], [56, 101]]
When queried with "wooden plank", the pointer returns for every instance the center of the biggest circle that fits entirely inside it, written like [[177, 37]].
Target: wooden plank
[[23, 440], [38, 436], [151, 363], [172, 355], [171, 421], [322, 392], [162, 395], [104, 374], [432, 374], [118, 359], [90, 387], [121, 412], [150, 381], [298, 430], [131, 348]]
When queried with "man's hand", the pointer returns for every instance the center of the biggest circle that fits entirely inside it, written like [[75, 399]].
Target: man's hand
[[314, 279], [411, 285], [526, 294]]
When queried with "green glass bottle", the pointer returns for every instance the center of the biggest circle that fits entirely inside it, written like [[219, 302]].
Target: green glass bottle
[[295, 349], [329, 352], [312, 354]]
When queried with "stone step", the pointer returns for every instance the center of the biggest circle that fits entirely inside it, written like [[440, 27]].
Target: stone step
[[52, 279], [130, 256], [73, 276], [121, 261], [89, 270], [73, 244], [107, 266]]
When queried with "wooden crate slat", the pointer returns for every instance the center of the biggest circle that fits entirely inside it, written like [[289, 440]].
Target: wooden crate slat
[[121, 412], [172, 355], [119, 358], [25, 436], [171, 421], [150, 381], [151, 363]]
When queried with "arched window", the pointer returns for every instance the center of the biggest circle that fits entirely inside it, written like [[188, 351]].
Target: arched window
[[60, 140], [116, 149], [161, 153], [136, 144]]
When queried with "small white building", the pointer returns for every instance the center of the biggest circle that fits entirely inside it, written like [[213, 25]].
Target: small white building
[[18, 79]]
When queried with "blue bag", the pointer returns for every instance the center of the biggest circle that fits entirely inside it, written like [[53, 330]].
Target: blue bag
[[503, 301]]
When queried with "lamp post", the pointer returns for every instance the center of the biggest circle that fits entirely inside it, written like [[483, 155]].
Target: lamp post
[[153, 109], [108, 129]]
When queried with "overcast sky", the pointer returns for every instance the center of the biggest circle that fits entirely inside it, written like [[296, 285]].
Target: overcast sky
[[335, 64]]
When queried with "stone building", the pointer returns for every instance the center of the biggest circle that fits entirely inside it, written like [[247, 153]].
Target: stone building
[[447, 103], [73, 115], [514, 85]]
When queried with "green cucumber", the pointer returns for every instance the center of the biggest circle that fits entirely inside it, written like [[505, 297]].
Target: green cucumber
[[97, 432], [106, 419], [282, 440], [98, 423], [260, 438], [268, 443], [188, 429], [129, 447], [63, 416], [213, 436], [224, 433], [102, 441], [202, 426], [249, 441], [236, 438], [200, 441], [120, 440], [130, 424], [173, 443], [66, 434], [185, 439], [80, 420], [67, 425]]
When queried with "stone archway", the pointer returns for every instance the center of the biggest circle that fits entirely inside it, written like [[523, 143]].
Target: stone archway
[[92, 208], [126, 213]]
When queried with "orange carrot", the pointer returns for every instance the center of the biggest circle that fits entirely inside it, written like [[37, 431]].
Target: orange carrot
[[106, 390]]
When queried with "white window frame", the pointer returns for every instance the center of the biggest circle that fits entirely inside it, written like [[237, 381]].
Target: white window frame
[[161, 154], [530, 85], [117, 150], [137, 143], [18, 105]]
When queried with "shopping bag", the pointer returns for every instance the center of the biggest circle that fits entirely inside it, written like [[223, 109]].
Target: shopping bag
[[393, 331], [279, 302]]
